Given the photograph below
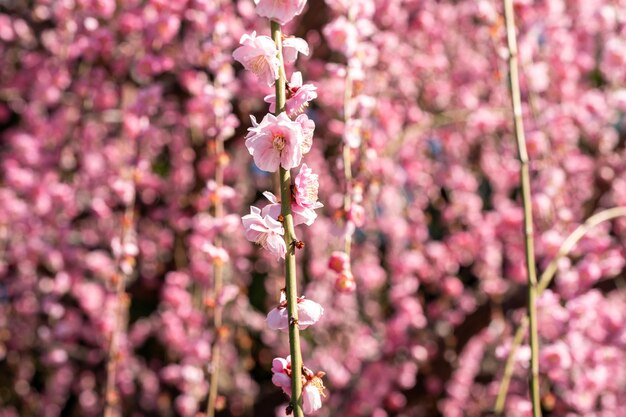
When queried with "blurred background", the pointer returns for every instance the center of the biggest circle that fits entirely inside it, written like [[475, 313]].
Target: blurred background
[[122, 126]]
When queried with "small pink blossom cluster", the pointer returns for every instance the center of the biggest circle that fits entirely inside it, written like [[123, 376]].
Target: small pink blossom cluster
[[312, 386]]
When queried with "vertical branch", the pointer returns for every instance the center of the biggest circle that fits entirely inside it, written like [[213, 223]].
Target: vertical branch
[[290, 256], [111, 397], [347, 157], [218, 273], [526, 200]]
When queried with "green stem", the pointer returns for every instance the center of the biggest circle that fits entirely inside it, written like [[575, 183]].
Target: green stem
[[290, 237], [516, 104], [544, 282]]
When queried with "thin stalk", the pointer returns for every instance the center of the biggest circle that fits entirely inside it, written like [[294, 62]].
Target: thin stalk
[[290, 237], [544, 282], [218, 274], [347, 158], [112, 406], [516, 104], [221, 160]]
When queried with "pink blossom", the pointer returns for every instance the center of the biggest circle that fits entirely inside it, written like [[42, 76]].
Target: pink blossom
[[339, 261], [311, 398], [281, 369], [309, 313], [301, 215], [291, 47], [306, 188], [313, 389], [259, 55], [345, 282], [276, 141], [298, 96], [265, 231], [357, 215], [342, 36], [308, 126], [281, 11]]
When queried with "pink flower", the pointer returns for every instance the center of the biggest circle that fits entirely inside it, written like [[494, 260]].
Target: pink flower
[[291, 47], [357, 215], [281, 369], [281, 11], [345, 282], [339, 261], [301, 215], [308, 126], [275, 142], [342, 36], [311, 399], [313, 389], [265, 231], [259, 55], [306, 187], [298, 96], [217, 255], [309, 313]]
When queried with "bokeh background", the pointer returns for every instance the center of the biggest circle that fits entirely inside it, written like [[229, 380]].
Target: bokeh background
[[109, 116]]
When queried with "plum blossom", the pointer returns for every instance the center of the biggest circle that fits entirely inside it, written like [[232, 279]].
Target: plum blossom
[[259, 55], [309, 313], [281, 11], [298, 96], [301, 215], [304, 198], [276, 141], [265, 231], [339, 261], [308, 126], [306, 188], [312, 385], [291, 47]]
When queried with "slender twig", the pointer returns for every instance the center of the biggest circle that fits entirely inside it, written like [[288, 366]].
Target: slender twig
[[111, 397], [544, 282], [347, 158], [221, 159], [516, 104], [290, 237], [218, 274]]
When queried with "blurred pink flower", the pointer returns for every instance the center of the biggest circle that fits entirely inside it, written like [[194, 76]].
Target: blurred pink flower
[[339, 261], [281, 11], [276, 141], [345, 281], [265, 231], [258, 54]]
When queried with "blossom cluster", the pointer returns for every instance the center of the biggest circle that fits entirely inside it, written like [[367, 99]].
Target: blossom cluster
[[278, 143]]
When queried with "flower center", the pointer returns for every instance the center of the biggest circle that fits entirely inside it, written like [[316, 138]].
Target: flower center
[[262, 240], [311, 188], [278, 142], [258, 64], [319, 384]]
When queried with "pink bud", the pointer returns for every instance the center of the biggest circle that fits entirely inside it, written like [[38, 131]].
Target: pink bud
[[339, 261]]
